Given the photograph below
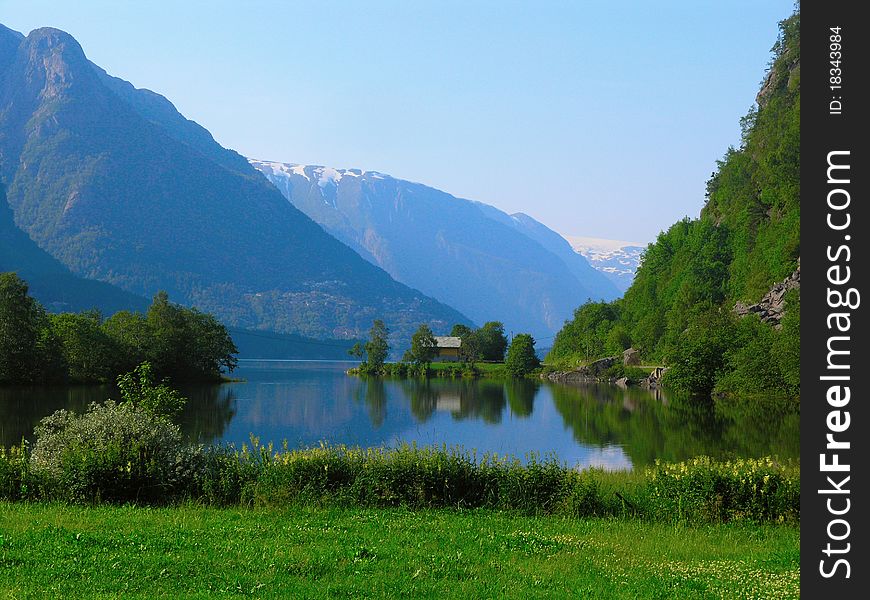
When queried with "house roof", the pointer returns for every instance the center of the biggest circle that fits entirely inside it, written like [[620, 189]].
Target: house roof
[[448, 341]]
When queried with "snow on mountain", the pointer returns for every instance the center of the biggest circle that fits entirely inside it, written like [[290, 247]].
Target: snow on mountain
[[617, 259]]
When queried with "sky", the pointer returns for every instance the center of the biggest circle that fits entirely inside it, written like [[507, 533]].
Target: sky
[[599, 119]]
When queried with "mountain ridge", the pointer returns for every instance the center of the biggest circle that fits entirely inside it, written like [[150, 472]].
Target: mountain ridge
[[488, 264], [121, 188]]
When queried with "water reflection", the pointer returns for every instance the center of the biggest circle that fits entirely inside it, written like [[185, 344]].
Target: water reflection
[[306, 403], [650, 426], [22, 407], [209, 410]]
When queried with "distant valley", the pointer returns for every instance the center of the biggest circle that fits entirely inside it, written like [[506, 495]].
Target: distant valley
[[487, 264]]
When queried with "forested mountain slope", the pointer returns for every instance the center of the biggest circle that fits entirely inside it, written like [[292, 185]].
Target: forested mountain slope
[[52, 283]]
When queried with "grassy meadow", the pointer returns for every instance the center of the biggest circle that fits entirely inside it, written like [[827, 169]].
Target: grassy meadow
[[191, 551]]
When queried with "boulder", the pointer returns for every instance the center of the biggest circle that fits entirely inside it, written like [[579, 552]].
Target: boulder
[[631, 358]]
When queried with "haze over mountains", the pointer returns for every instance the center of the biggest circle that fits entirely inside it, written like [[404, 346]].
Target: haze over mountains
[[117, 186], [112, 195], [486, 263]]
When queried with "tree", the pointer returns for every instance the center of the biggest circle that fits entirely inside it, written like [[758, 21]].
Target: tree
[[28, 351], [357, 351], [423, 346], [89, 352], [213, 348], [459, 330], [130, 332], [469, 349], [184, 343], [493, 341], [521, 358], [168, 345], [378, 346]]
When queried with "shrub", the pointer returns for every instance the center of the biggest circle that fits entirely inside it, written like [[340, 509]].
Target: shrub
[[138, 388], [744, 489], [113, 452]]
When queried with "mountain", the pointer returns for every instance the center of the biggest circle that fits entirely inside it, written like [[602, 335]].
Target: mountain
[[119, 187], [487, 264], [617, 260], [49, 281], [579, 266]]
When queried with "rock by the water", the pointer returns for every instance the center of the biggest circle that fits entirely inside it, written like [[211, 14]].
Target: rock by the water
[[631, 357]]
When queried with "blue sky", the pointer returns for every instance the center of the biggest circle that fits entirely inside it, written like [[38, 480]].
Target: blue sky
[[599, 119]]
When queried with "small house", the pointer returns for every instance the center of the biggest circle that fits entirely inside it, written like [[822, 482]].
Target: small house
[[448, 348]]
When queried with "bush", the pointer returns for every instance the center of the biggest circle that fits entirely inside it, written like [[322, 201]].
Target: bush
[[708, 491], [113, 452], [139, 388]]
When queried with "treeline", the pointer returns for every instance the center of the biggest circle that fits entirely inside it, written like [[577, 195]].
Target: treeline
[[38, 347], [488, 343], [679, 310]]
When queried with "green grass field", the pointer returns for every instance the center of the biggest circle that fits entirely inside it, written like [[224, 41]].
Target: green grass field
[[60, 551]]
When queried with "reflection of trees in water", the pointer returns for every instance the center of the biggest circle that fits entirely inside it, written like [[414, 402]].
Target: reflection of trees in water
[[649, 428], [206, 415], [21, 408], [208, 411], [482, 399], [376, 400], [423, 397], [521, 395], [463, 398], [772, 423]]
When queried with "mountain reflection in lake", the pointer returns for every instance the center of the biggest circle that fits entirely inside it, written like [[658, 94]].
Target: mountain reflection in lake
[[309, 402]]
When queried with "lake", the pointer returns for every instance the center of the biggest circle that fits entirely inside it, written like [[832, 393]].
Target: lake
[[307, 402]]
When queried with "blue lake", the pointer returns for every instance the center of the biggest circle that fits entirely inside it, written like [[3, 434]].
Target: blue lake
[[306, 403]]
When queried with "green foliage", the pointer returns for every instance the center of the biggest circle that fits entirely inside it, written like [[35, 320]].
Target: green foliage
[[90, 353], [357, 351], [701, 490], [112, 453], [376, 349], [29, 352], [521, 358], [185, 343], [180, 342], [487, 343], [423, 345], [139, 389], [469, 349], [117, 453], [16, 481], [592, 333], [492, 342], [701, 356]]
